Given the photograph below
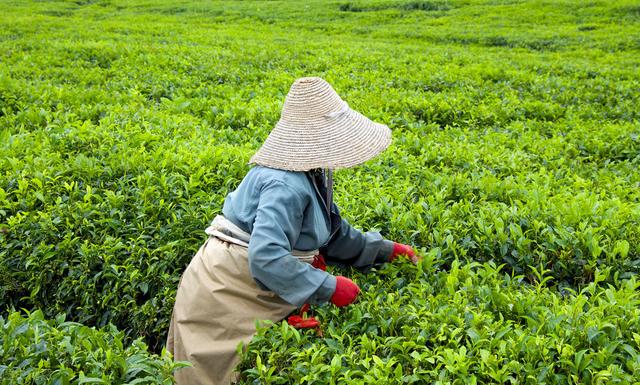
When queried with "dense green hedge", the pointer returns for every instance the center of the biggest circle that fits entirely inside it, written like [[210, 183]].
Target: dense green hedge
[[124, 124], [36, 351], [471, 324]]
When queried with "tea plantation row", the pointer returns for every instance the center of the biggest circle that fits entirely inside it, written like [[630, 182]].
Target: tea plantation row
[[472, 324], [36, 351], [516, 144]]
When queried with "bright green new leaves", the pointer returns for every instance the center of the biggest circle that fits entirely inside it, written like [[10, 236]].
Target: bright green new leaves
[[123, 124], [36, 351], [472, 324]]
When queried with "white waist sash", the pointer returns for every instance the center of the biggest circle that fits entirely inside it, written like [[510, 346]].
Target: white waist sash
[[227, 231]]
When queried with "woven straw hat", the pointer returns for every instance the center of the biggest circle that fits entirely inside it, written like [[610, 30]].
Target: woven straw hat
[[317, 129]]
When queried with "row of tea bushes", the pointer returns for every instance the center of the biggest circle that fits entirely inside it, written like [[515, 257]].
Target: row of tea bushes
[[36, 351], [105, 239], [512, 195], [473, 324], [124, 124]]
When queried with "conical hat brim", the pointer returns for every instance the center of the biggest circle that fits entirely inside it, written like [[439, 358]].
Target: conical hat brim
[[321, 142]]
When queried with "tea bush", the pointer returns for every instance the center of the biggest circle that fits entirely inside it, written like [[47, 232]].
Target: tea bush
[[36, 351], [124, 124], [474, 323]]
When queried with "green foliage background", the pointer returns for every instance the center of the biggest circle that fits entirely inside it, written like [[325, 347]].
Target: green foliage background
[[123, 124], [36, 351]]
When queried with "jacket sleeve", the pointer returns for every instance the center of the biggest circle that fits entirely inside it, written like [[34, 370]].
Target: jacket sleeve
[[275, 230], [349, 246]]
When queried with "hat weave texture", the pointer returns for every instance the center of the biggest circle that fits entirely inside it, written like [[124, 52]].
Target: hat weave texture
[[317, 129]]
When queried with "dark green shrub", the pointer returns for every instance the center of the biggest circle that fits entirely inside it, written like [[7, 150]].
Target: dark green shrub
[[36, 351], [473, 324], [124, 124]]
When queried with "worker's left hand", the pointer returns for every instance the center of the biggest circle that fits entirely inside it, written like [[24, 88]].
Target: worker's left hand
[[406, 250], [303, 323]]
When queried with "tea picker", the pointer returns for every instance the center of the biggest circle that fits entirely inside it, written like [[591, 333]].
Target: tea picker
[[267, 254]]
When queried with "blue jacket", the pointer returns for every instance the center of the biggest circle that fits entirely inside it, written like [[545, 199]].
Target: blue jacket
[[283, 211]]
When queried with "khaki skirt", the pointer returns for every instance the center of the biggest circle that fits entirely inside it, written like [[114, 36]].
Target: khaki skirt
[[216, 308]]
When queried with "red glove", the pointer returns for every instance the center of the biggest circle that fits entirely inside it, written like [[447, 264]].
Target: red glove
[[303, 323], [346, 291], [300, 321], [400, 249], [319, 263]]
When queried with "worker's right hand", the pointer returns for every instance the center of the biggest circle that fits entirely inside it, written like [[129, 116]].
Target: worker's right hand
[[346, 291]]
